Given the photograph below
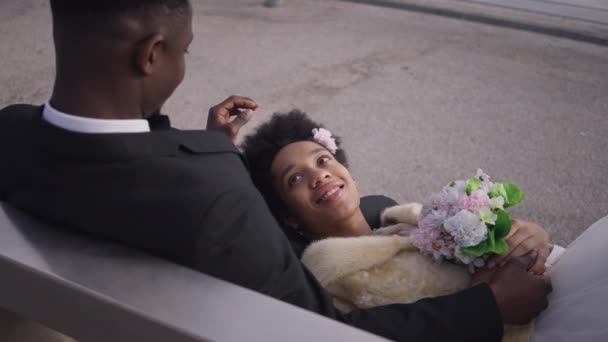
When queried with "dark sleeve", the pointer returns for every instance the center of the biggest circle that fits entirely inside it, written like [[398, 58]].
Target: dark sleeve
[[470, 315], [372, 206], [242, 243]]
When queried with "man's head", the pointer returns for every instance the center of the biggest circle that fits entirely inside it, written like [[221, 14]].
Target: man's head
[[125, 56]]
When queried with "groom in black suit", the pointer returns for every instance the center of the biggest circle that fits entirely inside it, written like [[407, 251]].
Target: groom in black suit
[[90, 161]]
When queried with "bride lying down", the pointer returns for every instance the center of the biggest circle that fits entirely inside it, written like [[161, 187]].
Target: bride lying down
[[301, 171]]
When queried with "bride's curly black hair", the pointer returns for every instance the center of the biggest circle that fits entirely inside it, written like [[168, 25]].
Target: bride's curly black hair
[[261, 147]]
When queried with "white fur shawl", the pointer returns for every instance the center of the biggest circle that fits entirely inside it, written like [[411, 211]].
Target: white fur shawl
[[367, 271]]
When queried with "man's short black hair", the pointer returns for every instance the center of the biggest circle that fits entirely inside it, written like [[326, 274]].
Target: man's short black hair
[[97, 15], [108, 7], [261, 147]]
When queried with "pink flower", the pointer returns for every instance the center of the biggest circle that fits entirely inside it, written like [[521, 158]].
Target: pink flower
[[436, 201], [477, 200], [325, 139], [424, 237], [461, 204], [439, 249], [450, 195]]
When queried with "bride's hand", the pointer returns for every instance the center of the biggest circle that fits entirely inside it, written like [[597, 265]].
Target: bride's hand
[[229, 116], [525, 237]]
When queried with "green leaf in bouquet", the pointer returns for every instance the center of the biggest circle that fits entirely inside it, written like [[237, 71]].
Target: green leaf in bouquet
[[502, 227], [473, 185], [510, 192], [478, 250], [491, 237], [494, 243], [497, 190], [514, 195], [501, 247]]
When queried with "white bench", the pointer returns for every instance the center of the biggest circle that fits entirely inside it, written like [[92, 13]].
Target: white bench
[[97, 291]]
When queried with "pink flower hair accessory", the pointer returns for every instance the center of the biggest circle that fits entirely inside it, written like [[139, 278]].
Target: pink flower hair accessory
[[325, 139]]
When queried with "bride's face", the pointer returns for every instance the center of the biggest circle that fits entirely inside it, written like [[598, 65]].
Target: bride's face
[[315, 187]]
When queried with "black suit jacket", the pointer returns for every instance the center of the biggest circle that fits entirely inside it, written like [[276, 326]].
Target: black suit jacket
[[187, 196]]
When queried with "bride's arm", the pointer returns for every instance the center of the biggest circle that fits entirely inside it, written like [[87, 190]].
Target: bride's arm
[[405, 213]]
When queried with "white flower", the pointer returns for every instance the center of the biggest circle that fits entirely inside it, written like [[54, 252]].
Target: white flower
[[467, 228], [461, 187], [484, 181], [487, 216], [486, 186], [450, 195], [434, 202], [482, 176], [439, 249], [497, 202], [459, 221]]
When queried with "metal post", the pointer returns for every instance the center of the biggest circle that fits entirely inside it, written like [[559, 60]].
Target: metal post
[[272, 3]]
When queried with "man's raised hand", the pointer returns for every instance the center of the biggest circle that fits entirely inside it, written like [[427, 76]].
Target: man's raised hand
[[229, 116]]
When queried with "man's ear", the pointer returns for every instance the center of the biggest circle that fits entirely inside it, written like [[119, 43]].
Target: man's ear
[[149, 52]]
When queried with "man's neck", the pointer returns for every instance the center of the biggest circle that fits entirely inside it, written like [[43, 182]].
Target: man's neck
[[86, 101]]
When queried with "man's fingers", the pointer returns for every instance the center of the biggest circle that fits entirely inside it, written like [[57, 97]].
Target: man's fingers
[[245, 103], [523, 248], [232, 128], [232, 106], [234, 102], [238, 107], [482, 275], [518, 263], [528, 259], [526, 247], [241, 119], [539, 264], [495, 261], [498, 259]]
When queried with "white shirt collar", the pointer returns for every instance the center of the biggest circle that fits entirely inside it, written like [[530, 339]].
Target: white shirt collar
[[89, 125]]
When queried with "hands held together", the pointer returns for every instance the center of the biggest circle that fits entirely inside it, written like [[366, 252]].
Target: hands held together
[[516, 277], [520, 296], [525, 239]]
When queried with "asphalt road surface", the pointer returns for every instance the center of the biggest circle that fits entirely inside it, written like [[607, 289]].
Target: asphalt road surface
[[418, 99]]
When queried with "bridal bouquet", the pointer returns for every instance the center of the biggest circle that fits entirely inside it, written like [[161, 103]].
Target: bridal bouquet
[[466, 221]]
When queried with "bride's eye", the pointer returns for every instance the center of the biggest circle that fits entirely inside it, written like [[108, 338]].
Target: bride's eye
[[323, 160], [293, 180]]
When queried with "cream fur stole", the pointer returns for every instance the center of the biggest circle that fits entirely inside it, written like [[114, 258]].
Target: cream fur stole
[[368, 271]]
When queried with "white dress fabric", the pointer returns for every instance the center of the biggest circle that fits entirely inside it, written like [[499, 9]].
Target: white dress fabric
[[578, 305]]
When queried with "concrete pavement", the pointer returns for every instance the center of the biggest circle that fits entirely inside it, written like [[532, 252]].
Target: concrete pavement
[[586, 22], [418, 99], [586, 10]]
